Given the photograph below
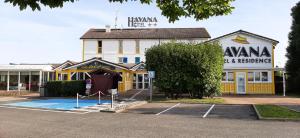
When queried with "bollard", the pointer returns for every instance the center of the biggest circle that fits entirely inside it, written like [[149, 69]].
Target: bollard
[[77, 101], [99, 100]]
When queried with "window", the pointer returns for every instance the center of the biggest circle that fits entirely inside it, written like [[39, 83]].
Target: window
[[120, 46], [230, 76], [224, 77], [257, 76], [120, 59], [137, 60], [99, 49], [227, 76], [123, 60], [264, 76], [250, 76], [3, 78], [137, 46]]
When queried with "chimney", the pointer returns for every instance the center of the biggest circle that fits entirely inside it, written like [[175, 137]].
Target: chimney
[[107, 28]]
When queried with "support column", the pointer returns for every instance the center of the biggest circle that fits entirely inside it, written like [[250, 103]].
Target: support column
[[40, 81], [69, 76], [43, 74], [29, 82], [19, 81], [56, 75], [7, 80], [48, 76]]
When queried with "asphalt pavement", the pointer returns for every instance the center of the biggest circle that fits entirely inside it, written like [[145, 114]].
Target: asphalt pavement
[[22, 123]]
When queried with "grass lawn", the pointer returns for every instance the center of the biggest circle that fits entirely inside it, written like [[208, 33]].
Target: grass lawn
[[274, 111], [189, 100]]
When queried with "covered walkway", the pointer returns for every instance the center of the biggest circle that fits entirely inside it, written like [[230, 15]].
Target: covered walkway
[[24, 77]]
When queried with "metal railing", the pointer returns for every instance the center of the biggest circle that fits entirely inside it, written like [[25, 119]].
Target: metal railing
[[82, 97]]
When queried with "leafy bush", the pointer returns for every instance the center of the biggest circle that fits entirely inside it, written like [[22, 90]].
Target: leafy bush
[[187, 68], [65, 88]]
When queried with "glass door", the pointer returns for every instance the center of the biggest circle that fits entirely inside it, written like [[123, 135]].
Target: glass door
[[140, 81], [146, 81], [134, 81], [241, 83]]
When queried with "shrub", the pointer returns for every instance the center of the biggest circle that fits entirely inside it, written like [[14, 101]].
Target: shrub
[[65, 88], [187, 68]]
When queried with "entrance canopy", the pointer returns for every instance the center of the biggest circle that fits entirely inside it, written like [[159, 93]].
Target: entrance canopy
[[104, 79], [96, 63]]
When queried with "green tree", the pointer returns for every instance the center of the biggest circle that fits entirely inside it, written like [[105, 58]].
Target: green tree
[[172, 9], [293, 52], [186, 68]]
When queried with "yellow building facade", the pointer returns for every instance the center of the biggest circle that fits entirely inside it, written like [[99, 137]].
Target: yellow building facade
[[248, 63], [81, 71]]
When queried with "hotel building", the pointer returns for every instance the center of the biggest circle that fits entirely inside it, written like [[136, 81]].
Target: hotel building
[[248, 57]]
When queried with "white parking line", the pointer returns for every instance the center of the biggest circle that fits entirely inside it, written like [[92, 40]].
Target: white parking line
[[43, 110], [133, 96], [208, 111], [167, 109]]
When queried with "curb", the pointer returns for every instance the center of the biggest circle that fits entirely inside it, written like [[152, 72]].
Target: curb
[[259, 117], [123, 108], [270, 118]]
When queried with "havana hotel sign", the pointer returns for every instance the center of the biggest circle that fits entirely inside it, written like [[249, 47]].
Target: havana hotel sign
[[142, 21]]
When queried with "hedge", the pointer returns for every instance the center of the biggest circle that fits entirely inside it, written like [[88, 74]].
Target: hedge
[[186, 68], [64, 88]]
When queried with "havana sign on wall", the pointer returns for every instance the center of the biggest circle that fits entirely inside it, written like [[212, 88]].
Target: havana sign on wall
[[245, 52]]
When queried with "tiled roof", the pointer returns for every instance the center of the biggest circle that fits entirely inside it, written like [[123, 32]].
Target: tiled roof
[[147, 33], [244, 32]]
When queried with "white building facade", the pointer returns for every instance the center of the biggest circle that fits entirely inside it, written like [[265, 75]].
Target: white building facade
[[129, 45]]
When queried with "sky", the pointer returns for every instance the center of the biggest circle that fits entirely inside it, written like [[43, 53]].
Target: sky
[[52, 35]]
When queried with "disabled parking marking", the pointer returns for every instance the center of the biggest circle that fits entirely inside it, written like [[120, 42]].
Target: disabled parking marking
[[168, 109], [208, 111], [43, 110]]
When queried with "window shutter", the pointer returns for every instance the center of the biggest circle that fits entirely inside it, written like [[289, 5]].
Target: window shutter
[[125, 60], [137, 60]]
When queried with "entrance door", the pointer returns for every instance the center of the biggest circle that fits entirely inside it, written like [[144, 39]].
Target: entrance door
[[241, 82], [141, 81], [146, 81]]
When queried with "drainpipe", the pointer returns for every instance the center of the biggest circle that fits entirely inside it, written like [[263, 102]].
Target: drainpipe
[[283, 80]]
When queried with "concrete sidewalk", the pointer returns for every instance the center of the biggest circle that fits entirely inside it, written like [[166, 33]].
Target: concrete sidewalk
[[16, 98], [260, 99]]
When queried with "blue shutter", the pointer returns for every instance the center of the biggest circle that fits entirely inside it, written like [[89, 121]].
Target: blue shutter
[[124, 59], [137, 60]]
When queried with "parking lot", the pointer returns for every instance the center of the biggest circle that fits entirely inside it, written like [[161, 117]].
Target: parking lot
[[183, 120], [196, 110]]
